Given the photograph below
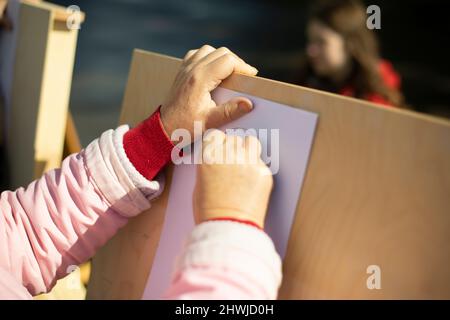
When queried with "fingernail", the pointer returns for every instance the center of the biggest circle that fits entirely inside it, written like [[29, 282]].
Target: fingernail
[[245, 106]]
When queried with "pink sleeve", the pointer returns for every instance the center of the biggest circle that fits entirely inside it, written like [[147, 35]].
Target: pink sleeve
[[226, 260], [62, 218]]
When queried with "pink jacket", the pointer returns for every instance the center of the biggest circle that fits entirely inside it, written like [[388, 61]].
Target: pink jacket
[[61, 219]]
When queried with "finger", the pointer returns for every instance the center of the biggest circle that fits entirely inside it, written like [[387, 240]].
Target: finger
[[224, 66], [234, 150], [217, 54], [229, 111], [189, 54], [200, 53], [212, 135], [213, 146], [252, 148]]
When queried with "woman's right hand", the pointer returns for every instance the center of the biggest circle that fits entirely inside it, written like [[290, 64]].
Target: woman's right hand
[[239, 188]]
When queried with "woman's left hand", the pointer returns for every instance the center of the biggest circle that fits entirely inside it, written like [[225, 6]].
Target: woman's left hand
[[190, 99]]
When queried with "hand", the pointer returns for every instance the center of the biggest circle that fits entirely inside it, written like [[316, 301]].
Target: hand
[[238, 189], [190, 99]]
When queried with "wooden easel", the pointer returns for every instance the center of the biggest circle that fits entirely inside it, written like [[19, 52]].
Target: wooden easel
[[40, 90], [376, 192], [40, 125]]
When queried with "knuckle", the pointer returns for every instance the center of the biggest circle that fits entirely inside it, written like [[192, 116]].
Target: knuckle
[[228, 58], [227, 114], [219, 133], [207, 47], [231, 56], [216, 133], [190, 53], [224, 50]]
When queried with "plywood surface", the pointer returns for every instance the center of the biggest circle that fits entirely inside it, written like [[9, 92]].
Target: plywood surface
[[376, 192]]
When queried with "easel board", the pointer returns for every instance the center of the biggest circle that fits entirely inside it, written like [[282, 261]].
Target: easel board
[[39, 92], [376, 192]]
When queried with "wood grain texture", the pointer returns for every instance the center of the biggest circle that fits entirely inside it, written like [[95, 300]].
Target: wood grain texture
[[376, 192]]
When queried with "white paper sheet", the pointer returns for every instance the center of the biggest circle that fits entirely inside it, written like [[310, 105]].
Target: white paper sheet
[[296, 131]]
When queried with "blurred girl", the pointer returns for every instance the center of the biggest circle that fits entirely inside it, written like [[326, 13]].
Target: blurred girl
[[342, 55]]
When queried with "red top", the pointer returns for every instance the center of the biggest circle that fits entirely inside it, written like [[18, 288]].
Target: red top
[[390, 78]]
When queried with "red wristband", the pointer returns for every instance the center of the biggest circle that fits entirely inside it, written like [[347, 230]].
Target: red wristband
[[148, 147]]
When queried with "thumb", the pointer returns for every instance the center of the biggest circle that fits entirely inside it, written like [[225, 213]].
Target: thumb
[[228, 111]]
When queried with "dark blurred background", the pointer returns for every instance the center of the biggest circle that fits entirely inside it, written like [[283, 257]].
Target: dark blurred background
[[270, 35]]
